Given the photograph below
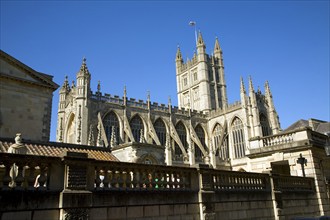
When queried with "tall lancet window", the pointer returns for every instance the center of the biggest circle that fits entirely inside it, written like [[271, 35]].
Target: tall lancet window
[[181, 130], [136, 127], [201, 136], [160, 128], [238, 138], [109, 121], [220, 141], [264, 125], [70, 131]]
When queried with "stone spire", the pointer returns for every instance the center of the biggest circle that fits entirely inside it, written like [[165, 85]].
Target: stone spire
[[125, 96], [178, 55], [99, 86], [243, 94], [113, 137], [273, 117], [65, 87], [255, 110], [91, 139], [218, 52], [200, 41], [83, 68]]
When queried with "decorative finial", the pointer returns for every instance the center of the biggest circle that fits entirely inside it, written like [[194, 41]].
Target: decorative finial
[[98, 86]]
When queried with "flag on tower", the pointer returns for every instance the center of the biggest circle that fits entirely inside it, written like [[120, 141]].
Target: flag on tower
[[192, 23]]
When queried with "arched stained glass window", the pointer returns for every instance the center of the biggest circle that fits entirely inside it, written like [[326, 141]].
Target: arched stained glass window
[[109, 121], [160, 128], [220, 143], [181, 130], [201, 135], [136, 127], [238, 138], [264, 125]]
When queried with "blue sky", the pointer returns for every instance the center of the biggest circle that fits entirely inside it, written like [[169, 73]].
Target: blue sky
[[134, 43]]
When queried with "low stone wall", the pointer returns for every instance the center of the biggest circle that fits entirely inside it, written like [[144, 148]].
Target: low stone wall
[[29, 205], [140, 205], [243, 206], [298, 205], [82, 188]]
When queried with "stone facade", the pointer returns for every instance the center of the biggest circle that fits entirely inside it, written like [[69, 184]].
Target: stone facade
[[21, 90], [204, 128]]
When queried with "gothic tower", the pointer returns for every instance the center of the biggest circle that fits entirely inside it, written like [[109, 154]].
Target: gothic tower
[[73, 114], [201, 81]]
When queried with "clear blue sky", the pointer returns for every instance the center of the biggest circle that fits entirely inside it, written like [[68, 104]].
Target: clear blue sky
[[134, 43]]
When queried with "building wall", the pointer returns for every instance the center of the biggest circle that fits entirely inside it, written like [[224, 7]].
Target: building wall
[[25, 103]]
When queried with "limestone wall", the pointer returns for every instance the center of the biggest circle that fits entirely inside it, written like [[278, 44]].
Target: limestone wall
[[83, 188]]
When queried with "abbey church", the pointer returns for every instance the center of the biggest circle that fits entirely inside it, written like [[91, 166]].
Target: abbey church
[[203, 129], [202, 159]]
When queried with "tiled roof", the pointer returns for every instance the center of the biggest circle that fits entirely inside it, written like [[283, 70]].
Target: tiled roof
[[320, 126], [55, 149]]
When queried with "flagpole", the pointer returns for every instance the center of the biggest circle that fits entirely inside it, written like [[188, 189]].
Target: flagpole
[[193, 23]]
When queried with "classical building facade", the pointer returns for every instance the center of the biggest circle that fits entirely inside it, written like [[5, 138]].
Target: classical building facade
[[204, 128], [21, 90]]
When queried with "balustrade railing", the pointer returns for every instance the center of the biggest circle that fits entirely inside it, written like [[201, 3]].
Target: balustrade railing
[[293, 183], [120, 176], [278, 139], [24, 172], [29, 172], [218, 180]]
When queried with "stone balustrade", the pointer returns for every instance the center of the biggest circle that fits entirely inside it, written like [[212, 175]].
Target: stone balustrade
[[220, 180], [27, 172], [293, 183], [126, 176], [292, 137], [278, 139], [46, 173], [74, 184]]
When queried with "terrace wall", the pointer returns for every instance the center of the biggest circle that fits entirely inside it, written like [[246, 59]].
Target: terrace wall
[[76, 187]]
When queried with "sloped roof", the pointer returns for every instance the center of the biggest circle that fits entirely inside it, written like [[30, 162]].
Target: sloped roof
[[323, 128], [298, 124], [320, 126], [44, 79], [55, 149]]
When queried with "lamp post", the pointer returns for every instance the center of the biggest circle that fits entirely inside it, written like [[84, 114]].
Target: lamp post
[[303, 162]]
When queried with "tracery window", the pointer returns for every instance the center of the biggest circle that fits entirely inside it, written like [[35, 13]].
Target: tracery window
[[136, 127], [264, 125], [181, 130], [238, 138], [201, 135], [109, 121], [160, 128], [222, 148], [70, 132]]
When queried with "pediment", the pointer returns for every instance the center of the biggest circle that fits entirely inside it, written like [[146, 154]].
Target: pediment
[[14, 72], [14, 69]]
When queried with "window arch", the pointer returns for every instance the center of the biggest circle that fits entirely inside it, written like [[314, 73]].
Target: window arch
[[181, 130], [160, 128], [136, 127], [222, 148], [110, 121], [264, 125], [238, 138], [201, 135], [70, 134]]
